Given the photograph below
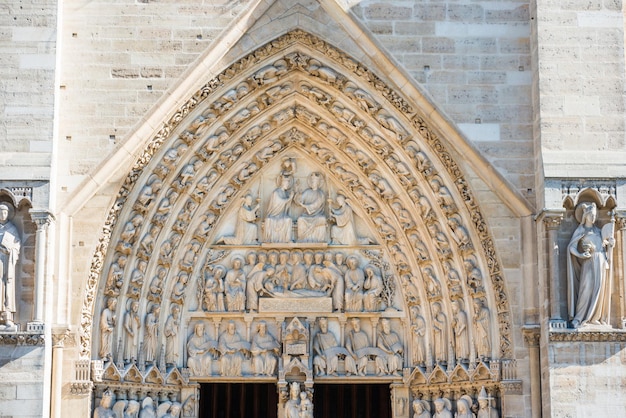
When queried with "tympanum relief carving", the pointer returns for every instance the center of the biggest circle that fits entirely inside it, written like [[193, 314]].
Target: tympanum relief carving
[[292, 186]]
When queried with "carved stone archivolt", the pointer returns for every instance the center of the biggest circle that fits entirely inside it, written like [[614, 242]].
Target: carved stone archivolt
[[296, 176]]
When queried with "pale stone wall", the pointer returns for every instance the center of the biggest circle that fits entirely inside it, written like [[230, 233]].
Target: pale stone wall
[[581, 85], [474, 60], [21, 381], [27, 70], [587, 379], [119, 58]]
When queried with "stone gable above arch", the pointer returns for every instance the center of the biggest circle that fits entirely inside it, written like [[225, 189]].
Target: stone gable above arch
[[300, 98]]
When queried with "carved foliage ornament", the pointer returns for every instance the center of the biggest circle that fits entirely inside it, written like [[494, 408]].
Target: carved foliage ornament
[[384, 119]]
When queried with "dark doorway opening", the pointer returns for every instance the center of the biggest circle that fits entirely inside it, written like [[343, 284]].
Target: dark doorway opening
[[352, 401], [238, 400]]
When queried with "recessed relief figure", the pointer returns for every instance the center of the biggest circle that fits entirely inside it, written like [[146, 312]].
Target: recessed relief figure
[[151, 334], [359, 350], [459, 327], [482, 322], [485, 410], [265, 350], [421, 409], [170, 331], [326, 351], [440, 333], [390, 344], [235, 285], [373, 288], [443, 408], [354, 280], [200, 351], [132, 325], [246, 229], [213, 292], [108, 320], [277, 225], [312, 223], [589, 269], [233, 348]]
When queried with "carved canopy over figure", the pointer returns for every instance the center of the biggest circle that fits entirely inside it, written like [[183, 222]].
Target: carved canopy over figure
[[588, 269], [10, 244], [312, 223]]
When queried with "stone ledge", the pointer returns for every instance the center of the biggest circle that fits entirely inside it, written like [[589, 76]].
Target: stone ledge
[[615, 335], [21, 338]]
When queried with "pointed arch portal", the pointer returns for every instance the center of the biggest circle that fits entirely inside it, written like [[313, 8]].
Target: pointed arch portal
[[296, 111]]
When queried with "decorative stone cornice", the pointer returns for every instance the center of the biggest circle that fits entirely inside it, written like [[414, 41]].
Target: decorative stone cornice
[[21, 338], [551, 218], [511, 387], [588, 336], [42, 218], [63, 337]]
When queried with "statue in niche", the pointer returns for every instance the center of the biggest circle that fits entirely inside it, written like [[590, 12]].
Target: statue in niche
[[132, 324], [483, 326], [235, 287], [373, 288], [589, 269], [200, 351], [151, 334], [464, 407], [104, 409], [165, 206], [292, 406], [232, 348], [189, 407], [459, 327], [147, 408], [108, 320], [359, 351], [474, 276], [326, 351], [156, 285], [312, 223], [178, 292], [440, 333], [442, 408], [170, 331], [265, 350], [251, 262], [246, 230], [213, 294], [115, 278], [277, 226], [418, 326], [485, 410], [421, 409], [354, 281], [390, 344]]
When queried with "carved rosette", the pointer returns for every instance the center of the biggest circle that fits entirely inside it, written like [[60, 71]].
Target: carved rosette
[[298, 98]]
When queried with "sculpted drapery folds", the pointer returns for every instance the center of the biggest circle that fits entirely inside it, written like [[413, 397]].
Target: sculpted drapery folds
[[108, 320], [292, 276], [264, 349], [10, 245], [200, 351], [132, 325], [232, 348], [151, 334], [588, 269], [390, 344], [312, 222]]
